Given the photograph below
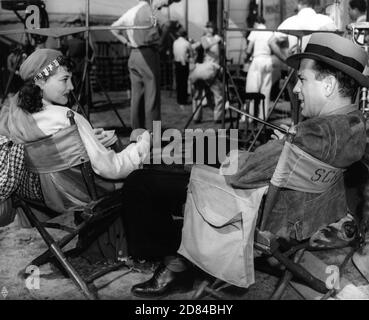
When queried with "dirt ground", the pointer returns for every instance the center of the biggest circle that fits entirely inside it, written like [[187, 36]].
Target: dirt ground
[[18, 246]]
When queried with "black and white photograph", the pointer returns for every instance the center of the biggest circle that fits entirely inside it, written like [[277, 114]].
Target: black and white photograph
[[183, 156]]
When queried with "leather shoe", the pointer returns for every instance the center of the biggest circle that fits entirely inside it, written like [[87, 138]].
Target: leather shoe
[[162, 282]]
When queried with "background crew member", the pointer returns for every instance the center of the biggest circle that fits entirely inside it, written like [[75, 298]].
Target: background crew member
[[143, 64]]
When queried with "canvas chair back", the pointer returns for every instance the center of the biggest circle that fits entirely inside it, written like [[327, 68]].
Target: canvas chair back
[[64, 168], [298, 170]]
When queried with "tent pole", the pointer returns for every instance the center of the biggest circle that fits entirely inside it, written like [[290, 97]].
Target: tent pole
[[222, 27], [87, 81], [186, 15]]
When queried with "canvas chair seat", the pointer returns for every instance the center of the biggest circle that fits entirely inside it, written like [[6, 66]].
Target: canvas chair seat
[[222, 223]]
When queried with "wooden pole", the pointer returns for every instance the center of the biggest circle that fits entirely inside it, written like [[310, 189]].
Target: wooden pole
[[222, 26], [87, 81], [281, 10], [220, 7], [186, 16]]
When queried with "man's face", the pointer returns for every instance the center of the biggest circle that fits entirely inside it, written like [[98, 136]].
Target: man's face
[[310, 91], [353, 13], [209, 30]]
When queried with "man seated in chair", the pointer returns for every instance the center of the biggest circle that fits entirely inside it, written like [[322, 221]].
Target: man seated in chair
[[329, 76]]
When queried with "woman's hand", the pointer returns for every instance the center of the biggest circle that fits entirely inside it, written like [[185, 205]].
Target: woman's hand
[[144, 145]]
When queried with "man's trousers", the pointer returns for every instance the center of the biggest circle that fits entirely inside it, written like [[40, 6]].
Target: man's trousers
[[182, 72], [144, 70]]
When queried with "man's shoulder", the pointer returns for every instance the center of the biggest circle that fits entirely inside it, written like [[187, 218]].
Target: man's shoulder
[[332, 121], [289, 23]]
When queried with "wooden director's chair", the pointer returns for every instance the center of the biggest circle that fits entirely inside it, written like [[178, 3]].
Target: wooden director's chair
[[77, 174], [294, 171]]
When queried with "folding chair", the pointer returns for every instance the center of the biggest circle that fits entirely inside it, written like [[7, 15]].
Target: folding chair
[[296, 170], [48, 155]]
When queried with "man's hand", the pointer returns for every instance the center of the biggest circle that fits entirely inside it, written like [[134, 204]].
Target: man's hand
[[279, 135]]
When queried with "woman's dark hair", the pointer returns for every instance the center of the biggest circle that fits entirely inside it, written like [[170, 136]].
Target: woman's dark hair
[[30, 94]]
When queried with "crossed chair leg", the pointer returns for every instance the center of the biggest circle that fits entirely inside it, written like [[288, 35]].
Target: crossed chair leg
[[55, 251]]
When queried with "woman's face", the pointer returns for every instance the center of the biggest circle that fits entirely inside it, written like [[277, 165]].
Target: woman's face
[[56, 89]]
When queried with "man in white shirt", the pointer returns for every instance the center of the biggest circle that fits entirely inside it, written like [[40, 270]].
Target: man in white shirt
[[143, 63], [181, 53], [259, 76], [305, 19]]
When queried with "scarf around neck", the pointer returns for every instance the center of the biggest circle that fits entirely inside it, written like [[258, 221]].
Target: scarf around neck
[[17, 124]]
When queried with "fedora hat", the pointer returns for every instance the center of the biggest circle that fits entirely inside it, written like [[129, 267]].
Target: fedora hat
[[337, 52]]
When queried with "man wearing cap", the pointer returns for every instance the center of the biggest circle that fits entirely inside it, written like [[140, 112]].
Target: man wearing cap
[[329, 76], [143, 63]]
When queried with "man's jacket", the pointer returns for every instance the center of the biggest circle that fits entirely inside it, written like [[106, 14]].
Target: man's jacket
[[338, 140]]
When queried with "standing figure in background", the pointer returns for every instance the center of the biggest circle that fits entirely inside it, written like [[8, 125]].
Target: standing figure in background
[[210, 42], [143, 63], [259, 76], [357, 10], [181, 52]]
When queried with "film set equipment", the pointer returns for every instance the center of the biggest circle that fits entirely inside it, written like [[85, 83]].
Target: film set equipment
[[16, 6], [360, 36], [360, 258], [22, 5]]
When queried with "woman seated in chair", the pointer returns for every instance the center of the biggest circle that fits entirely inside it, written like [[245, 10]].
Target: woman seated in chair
[[39, 110]]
